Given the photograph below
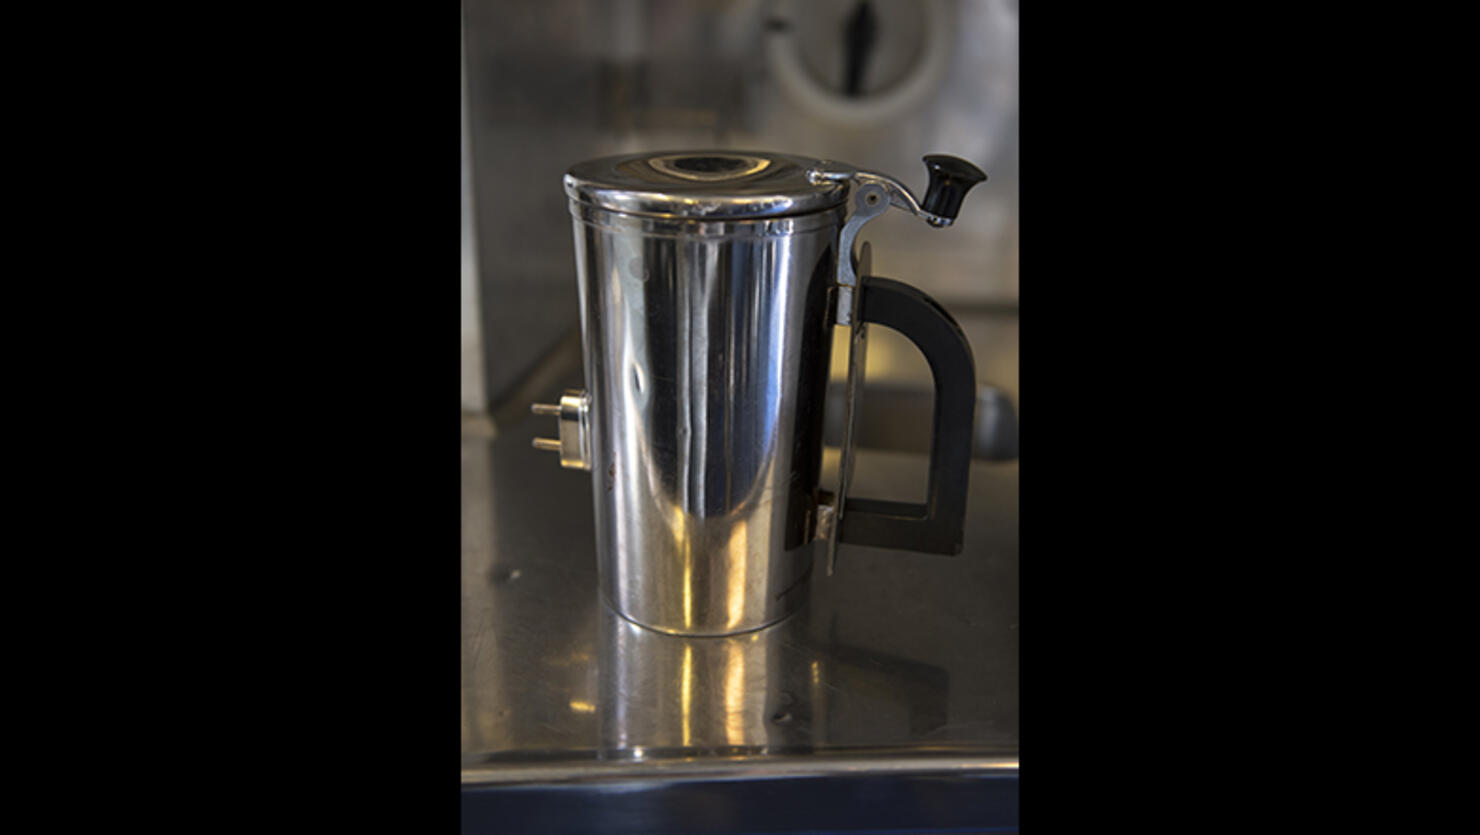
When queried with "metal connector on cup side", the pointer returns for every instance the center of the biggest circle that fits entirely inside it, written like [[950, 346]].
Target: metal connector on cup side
[[574, 444]]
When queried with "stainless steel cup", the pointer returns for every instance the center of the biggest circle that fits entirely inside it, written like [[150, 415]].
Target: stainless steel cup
[[709, 285]]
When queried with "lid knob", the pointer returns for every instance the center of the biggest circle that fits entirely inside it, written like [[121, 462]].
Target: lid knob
[[950, 179]]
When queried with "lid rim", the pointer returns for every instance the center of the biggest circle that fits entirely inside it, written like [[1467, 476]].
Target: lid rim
[[688, 227], [768, 185]]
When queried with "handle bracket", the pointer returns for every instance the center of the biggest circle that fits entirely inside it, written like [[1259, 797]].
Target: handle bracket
[[936, 526]]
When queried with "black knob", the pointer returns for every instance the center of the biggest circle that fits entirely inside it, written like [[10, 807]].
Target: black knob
[[950, 179]]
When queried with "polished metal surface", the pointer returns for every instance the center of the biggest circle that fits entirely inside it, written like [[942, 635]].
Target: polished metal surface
[[706, 348], [867, 182], [831, 507], [706, 281], [771, 766], [900, 663], [868, 203], [574, 443], [564, 80], [703, 184]]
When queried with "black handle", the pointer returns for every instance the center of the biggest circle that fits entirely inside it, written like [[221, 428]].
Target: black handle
[[936, 526], [950, 179]]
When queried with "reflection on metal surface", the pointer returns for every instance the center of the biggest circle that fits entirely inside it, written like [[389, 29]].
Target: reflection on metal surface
[[886, 663], [710, 166], [706, 357], [686, 687], [712, 185], [767, 691], [706, 281], [758, 693], [538, 702], [686, 696]]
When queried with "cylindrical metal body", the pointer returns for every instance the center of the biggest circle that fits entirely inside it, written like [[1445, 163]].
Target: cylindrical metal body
[[706, 360], [731, 695]]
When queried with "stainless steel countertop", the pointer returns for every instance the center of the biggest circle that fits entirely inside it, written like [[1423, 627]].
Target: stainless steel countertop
[[897, 661]]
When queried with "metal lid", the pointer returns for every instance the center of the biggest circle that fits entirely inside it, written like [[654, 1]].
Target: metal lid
[[703, 184]]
